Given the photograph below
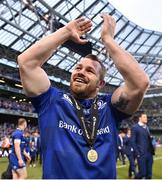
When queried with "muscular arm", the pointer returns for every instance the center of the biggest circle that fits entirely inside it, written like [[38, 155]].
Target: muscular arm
[[34, 79], [128, 97]]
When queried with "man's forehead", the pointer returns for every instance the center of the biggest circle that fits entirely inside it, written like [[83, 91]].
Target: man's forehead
[[85, 59], [144, 115], [88, 62]]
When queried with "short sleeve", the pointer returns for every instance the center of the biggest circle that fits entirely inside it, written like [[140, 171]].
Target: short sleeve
[[119, 116], [42, 102], [17, 135]]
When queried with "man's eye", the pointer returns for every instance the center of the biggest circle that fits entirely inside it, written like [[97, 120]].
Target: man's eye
[[91, 71]]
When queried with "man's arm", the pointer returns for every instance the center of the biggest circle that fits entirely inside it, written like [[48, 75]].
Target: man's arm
[[34, 79], [27, 156], [134, 141], [128, 97], [18, 151]]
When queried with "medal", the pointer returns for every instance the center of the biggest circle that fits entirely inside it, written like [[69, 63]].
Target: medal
[[92, 155]]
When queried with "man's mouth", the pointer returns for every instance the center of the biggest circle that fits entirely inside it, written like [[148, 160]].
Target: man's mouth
[[80, 80]]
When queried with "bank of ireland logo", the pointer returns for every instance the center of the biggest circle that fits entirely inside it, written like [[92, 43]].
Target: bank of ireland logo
[[66, 98], [101, 104]]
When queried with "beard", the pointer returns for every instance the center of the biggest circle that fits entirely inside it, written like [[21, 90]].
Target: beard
[[83, 91]]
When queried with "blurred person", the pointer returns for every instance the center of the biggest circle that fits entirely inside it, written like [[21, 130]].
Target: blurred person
[[27, 146], [154, 143], [143, 147], [5, 146], [18, 154], [33, 154], [120, 142], [78, 129], [37, 145], [129, 151]]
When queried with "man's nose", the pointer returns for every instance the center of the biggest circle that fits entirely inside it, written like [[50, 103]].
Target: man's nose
[[82, 72]]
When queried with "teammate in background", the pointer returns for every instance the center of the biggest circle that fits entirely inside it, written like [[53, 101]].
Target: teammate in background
[[78, 129], [120, 143], [18, 154], [144, 150], [33, 154], [129, 151], [27, 146]]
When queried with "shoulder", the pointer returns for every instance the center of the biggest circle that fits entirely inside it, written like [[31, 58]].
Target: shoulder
[[52, 91], [135, 127], [42, 101], [105, 98], [17, 134], [104, 101]]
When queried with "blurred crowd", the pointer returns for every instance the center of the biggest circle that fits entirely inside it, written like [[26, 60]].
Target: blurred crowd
[[12, 104], [152, 107]]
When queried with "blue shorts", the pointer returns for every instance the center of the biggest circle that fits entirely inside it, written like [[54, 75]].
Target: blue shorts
[[14, 162]]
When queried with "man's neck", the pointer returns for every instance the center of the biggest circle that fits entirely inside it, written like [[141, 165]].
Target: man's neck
[[141, 123], [20, 128], [82, 96]]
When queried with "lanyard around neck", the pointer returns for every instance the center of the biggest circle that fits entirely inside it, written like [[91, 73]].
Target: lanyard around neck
[[90, 138]]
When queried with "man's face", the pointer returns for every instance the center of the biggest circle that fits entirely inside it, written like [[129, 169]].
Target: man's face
[[143, 118], [24, 125], [129, 133], [85, 79]]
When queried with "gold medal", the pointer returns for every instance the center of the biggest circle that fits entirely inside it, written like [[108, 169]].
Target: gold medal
[[92, 155]]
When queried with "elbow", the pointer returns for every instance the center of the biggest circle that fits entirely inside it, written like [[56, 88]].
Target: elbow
[[144, 84], [25, 63], [20, 60]]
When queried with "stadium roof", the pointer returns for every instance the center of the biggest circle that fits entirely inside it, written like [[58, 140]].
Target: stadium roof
[[22, 22]]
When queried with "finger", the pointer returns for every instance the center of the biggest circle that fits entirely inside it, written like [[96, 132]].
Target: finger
[[87, 30], [107, 17], [84, 23], [104, 15], [84, 28], [80, 19], [83, 41], [88, 24]]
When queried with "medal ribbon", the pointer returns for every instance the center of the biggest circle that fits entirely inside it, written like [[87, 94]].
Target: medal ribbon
[[90, 138]]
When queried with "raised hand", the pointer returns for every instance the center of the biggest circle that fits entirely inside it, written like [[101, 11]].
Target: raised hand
[[108, 28], [77, 28]]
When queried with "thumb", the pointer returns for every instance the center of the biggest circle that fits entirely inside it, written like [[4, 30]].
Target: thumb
[[82, 41]]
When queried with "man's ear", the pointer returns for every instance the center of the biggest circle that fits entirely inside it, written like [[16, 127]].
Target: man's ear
[[101, 84]]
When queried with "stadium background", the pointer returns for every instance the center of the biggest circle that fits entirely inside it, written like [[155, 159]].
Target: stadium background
[[23, 22]]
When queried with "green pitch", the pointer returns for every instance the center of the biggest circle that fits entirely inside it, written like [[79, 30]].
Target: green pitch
[[122, 171]]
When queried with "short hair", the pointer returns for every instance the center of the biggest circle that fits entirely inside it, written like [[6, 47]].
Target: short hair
[[141, 113], [103, 69], [21, 121]]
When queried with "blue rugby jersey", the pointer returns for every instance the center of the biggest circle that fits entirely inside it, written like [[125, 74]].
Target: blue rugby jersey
[[63, 146], [18, 134]]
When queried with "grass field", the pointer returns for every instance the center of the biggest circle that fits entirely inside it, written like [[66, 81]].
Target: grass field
[[122, 171]]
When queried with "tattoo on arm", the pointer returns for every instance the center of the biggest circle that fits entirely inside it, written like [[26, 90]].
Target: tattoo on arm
[[122, 102]]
